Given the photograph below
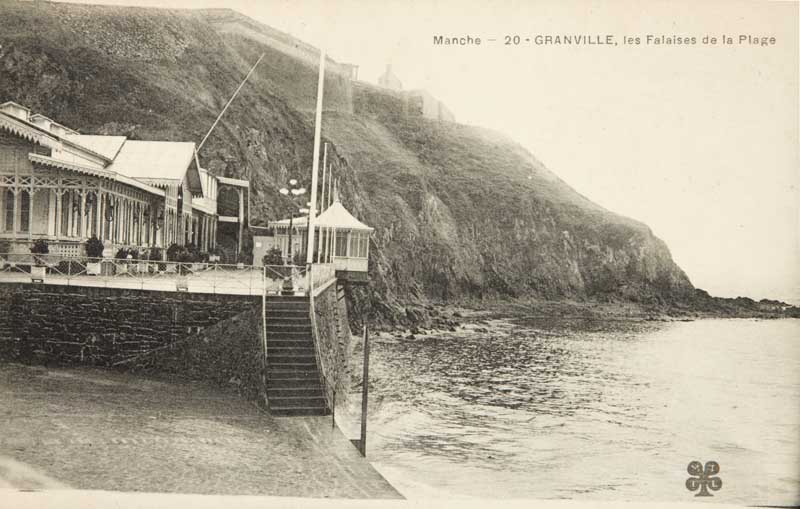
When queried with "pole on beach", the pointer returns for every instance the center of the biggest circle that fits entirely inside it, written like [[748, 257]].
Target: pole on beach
[[362, 444]]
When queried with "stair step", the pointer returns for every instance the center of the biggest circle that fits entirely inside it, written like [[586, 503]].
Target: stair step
[[273, 337], [298, 349], [290, 330], [292, 333], [300, 401], [277, 364], [290, 319], [290, 390], [292, 374], [283, 359], [287, 304], [295, 384], [288, 344], [287, 311], [293, 411]]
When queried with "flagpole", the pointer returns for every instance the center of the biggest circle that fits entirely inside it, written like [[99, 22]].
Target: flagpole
[[315, 169], [330, 183], [323, 205]]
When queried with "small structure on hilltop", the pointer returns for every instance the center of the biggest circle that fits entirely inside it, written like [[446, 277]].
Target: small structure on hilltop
[[341, 240], [389, 80]]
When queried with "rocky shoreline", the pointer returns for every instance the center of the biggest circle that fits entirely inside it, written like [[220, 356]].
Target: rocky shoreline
[[570, 314]]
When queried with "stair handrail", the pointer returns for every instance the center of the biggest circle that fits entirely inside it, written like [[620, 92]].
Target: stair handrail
[[315, 331], [265, 370]]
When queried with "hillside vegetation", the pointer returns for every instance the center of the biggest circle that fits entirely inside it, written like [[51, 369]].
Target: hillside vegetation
[[461, 213]]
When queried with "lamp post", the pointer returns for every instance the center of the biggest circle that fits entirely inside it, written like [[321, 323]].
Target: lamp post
[[291, 193]]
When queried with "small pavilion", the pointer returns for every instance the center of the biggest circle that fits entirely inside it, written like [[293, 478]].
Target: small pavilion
[[341, 240]]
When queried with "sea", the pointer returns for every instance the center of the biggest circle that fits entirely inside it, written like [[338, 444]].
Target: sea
[[596, 411]]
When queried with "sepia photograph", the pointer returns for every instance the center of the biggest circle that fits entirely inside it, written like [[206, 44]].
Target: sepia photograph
[[420, 253]]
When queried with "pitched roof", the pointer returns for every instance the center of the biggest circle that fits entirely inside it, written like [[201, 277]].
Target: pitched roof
[[335, 216], [159, 160], [106, 146]]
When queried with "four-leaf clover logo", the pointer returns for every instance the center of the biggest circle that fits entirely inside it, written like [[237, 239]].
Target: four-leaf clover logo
[[703, 478]]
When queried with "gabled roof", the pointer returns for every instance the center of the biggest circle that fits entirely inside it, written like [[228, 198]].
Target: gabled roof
[[156, 160], [87, 170], [107, 146]]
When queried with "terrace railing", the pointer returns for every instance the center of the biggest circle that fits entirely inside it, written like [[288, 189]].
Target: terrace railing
[[200, 277]]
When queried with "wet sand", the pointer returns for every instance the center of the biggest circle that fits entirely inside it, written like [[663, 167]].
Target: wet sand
[[95, 429]]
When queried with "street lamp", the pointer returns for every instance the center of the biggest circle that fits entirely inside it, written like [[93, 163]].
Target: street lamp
[[291, 193]]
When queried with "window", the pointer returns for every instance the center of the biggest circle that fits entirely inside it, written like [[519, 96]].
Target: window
[[360, 245], [8, 223], [341, 243], [25, 211]]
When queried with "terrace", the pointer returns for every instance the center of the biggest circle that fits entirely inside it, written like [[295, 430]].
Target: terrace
[[213, 278]]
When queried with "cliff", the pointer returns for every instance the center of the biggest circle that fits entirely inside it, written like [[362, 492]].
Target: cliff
[[461, 212]]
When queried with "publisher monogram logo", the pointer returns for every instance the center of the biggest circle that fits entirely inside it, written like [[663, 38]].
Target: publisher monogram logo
[[703, 478]]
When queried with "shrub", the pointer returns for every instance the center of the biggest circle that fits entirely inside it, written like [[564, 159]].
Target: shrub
[[155, 254], [122, 254], [273, 257], [94, 247], [40, 247], [173, 252]]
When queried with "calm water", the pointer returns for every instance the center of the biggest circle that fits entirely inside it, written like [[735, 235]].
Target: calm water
[[522, 411]]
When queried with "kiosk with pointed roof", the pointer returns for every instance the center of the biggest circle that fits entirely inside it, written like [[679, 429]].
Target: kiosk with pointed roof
[[341, 240]]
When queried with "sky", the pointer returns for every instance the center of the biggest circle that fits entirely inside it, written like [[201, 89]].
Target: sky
[[700, 142]]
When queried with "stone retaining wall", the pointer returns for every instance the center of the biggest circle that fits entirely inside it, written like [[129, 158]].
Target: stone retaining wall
[[334, 341], [102, 326]]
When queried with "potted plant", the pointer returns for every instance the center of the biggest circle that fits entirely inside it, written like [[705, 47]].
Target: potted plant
[[140, 265], [39, 268], [122, 260], [203, 257], [174, 254], [273, 264], [94, 251], [5, 250], [156, 255], [187, 260], [214, 254]]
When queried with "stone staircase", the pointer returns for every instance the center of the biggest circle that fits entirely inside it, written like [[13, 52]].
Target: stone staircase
[[294, 386]]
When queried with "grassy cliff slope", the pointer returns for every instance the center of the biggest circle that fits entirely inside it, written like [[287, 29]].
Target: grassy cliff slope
[[460, 212]]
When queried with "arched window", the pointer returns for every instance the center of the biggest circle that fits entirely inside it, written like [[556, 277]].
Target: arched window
[[8, 222]]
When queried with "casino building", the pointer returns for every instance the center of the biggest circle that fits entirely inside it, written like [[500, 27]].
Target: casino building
[[65, 187]]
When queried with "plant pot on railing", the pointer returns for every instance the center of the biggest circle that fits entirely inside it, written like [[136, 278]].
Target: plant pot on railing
[[93, 268], [39, 268], [38, 272], [94, 250], [122, 260], [5, 248]]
